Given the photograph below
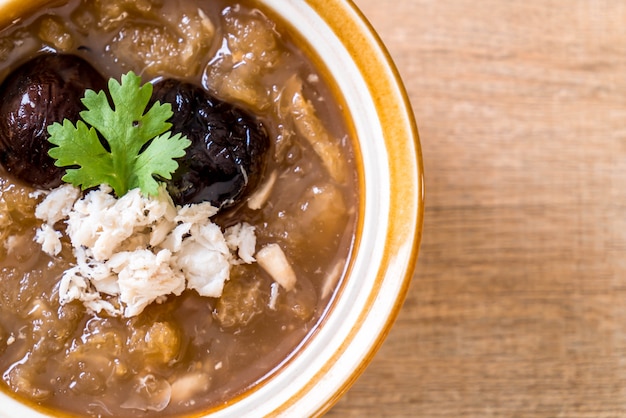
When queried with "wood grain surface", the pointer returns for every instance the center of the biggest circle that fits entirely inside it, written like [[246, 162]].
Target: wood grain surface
[[518, 304]]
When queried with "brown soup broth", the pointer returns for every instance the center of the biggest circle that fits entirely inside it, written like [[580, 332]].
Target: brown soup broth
[[197, 352]]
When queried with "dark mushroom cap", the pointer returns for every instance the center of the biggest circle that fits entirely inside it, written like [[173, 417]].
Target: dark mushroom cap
[[228, 151], [44, 90]]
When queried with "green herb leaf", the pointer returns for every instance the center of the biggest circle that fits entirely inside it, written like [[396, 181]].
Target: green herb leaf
[[139, 145]]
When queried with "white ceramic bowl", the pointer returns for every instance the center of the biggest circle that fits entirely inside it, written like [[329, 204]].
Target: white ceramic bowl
[[389, 229]]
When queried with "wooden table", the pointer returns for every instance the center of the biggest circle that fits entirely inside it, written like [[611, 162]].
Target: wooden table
[[518, 304]]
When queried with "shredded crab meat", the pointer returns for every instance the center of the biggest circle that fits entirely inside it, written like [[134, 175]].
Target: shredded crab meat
[[262, 194], [273, 260], [58, 205], [241, 238], [189, 385], [49, 238], [135, 250]]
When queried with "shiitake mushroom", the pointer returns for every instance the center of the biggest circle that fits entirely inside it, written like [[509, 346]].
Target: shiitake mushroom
[[43, 90], [228, 147]]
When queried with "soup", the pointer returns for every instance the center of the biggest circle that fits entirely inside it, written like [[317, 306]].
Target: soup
[[282, 205]]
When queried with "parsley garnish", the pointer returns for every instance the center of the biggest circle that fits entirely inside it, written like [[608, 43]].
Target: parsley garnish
[[139, 145]]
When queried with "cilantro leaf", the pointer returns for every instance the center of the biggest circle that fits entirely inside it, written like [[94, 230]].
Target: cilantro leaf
[[139, 144]]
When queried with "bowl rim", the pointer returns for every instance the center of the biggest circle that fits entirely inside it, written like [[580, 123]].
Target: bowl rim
[[406, 211], [406, 205]]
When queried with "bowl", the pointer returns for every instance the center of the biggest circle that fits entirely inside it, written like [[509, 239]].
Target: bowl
[[389, 228]]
